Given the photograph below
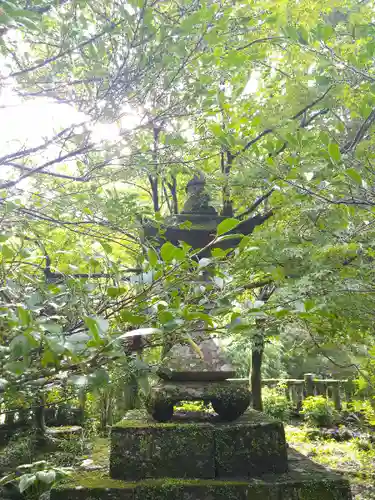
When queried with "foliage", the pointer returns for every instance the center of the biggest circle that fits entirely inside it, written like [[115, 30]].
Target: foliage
[[20, 449], [272, 101], [188, 406], [366, 408], [318, 411], [34, 479], [345, 457], [70, 450], [276, 404]]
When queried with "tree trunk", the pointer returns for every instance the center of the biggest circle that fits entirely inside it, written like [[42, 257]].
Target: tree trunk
[[258, 350], [227, 201], [155, 192], [256, 372], [173, 189], [39, 419]]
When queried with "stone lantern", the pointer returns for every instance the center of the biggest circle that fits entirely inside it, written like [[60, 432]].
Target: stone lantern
[[187, 373]]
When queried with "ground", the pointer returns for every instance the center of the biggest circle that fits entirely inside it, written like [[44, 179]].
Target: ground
[[346, 457]]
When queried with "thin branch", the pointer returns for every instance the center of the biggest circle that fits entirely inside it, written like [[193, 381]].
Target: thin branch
[[294, 117], [39, 169], [257, 284], [256, 203], [26, 152], [262, 40], [52, 174], [63, 53], [363, 129]]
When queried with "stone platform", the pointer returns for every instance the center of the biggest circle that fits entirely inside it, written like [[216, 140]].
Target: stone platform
[[200, 457], [206, 448], [304, 481]]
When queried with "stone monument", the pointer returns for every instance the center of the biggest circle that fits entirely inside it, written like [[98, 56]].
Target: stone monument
[[203, 373], [202, 457]]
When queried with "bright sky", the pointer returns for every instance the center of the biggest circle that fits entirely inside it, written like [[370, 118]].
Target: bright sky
[[27, 123]]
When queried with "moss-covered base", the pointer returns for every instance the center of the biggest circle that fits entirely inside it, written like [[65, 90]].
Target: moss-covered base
[[207, 449], [304, 481]]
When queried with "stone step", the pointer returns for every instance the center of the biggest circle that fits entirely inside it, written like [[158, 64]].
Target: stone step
[[304, 481]]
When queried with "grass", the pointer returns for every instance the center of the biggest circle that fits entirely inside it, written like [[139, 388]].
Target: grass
[[346, 457]]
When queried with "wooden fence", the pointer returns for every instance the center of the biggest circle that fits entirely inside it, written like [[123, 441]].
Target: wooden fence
[[296, 390]]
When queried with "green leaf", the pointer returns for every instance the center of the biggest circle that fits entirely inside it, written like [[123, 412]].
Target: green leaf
[[48, 358], [309, 304], [219, 253], [354, 174], [10, 206], [134, 319], [165, 316], [4, 237], [16, 367], [24, 315], [114, 291], [226, 225], [97, 326], [52, 327], [216, 129], [334, 152], [46, 476], [291, 32], [20, 346], [152, 257], [106, 246], [99, 378], [7, 252], [324, 32], [168, 252], [198, 315], [26, 481]]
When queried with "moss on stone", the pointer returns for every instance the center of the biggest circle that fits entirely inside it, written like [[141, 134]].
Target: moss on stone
[[162, 451], [279, 487], [93, 480], [207, 449]]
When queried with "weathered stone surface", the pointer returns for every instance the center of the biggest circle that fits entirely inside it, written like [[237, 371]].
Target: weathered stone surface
[[304, 481], [195, 391], [182, 362], [230, 399], [243, 450], [200, 449], [141, 450]]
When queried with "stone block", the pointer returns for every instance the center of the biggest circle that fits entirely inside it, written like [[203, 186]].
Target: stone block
[[207, 448], [251, 446], [143, 450]]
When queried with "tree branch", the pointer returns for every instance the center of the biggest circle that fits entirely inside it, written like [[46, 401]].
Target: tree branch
[[63, 53], [363, 129], [294, 117], [39, 169], [256, 203]]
